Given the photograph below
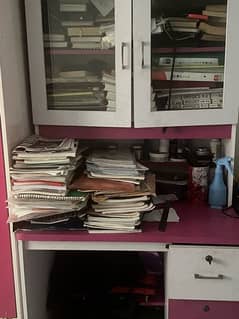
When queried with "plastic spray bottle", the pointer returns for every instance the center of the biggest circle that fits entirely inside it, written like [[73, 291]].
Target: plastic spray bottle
[[218, 189]]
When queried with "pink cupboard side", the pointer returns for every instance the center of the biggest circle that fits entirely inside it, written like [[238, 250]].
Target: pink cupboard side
[[7, 293]]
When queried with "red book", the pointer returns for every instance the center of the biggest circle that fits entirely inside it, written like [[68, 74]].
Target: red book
[[197, 16]]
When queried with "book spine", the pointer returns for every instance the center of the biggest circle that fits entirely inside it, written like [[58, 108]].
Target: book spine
[[187, 76], [168, 61]]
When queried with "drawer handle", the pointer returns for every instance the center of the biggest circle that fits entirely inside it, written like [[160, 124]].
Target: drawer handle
[[197, 276]]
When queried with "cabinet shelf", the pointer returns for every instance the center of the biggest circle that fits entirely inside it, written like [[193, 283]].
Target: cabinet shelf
[[80, 52], [189, 50]]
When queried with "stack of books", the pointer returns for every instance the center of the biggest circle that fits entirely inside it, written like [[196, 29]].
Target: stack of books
[[54, 40], [108, 79], [42, 169], [87, 37], [214, 29], [118, 212], [76, 90], [120, 190], [185, 25]]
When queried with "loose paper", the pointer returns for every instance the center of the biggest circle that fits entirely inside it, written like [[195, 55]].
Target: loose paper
[[103, 6]]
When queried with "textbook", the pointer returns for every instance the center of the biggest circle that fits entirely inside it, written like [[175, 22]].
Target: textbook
[[188, 76], [84, 31], [211, 29], [73, 7], [86, 45], [55, 44]]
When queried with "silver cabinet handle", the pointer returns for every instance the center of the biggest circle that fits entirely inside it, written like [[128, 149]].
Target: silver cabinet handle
[[143, 45], [142, 50], [124, 45], [197, 276]]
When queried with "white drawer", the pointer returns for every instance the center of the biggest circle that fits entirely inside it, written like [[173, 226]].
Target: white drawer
[[191, 275]]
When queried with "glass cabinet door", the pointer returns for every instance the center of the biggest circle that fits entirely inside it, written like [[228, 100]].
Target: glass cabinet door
[[80, 61], [183, 62]]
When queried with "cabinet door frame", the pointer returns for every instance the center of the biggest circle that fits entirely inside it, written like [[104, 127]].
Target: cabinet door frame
[[123, 42], [143, 117]]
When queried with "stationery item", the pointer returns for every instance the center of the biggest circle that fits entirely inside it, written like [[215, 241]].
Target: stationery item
[[39, 195], [163, 222]]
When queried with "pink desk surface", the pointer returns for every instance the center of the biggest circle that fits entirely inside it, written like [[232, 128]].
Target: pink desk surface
[[198, 225]]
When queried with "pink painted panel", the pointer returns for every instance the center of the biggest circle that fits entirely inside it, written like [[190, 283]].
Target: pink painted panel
[[215, 131], [198, 309], [198, 224], [7, 293]]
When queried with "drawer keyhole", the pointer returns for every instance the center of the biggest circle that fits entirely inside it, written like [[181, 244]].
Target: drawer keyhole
[[209, 259], [206, 308]]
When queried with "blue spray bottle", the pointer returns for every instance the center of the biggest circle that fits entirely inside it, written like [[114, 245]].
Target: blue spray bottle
[[217, 189]]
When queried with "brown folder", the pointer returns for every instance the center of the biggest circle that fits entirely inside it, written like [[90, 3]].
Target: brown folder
[[100, 184]]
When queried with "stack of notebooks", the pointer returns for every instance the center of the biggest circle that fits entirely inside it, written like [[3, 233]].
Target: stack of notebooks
[[76, 90], [42, 169], [185, 25], [108, 79], [120, 191], [214, 27]]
